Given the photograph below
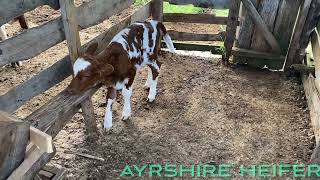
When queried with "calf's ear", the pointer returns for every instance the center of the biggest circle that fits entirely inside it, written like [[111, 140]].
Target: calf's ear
[[107, 70], [92, 48]]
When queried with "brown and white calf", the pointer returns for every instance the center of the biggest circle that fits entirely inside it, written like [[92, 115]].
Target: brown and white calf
[[130, 50]]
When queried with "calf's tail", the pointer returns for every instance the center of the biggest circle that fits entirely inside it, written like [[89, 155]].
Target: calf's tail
[[167, 38]]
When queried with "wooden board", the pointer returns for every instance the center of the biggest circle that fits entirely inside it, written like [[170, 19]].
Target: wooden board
[[214, 4], [54, 114], [315, 41], [285, 21], [255, 54], [38, 84], [42, 140], [36, 40], [263, 21], [295, 40], [231, 29], [157, 10], [14, 136], [188, 46], [32, 164], [9, 9], [194, 18], [246, 28], [186, 36]]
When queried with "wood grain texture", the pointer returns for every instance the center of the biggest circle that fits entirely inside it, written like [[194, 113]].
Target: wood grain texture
[[42, 140], [194, 18], [231, 29], [255, 54], [263, 21], [246, 28], [295, 40], [14, 136], [214, 4], [315, 42], [285, 21], [186, 36], [36, 40], [157, 10], [9, 9]]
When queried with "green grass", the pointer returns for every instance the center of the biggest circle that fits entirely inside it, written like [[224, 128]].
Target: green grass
[[187, 9]]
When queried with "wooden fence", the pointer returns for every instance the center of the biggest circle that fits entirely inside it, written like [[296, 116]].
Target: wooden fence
[[51, 117]]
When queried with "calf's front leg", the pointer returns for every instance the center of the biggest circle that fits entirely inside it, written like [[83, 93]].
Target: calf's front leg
[[127, 93], [111, 96]]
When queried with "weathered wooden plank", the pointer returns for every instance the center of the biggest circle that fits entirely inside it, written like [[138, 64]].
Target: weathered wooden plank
[[54, 114], [42, 140], [14, 136], [36, 40], [214, 4], [10, 9], [315, 41], [33, 162], [157, 10], [261, 25], [231, 29], [313, 99], [194, 18], [285, 21], [186, 36], [246, 28], [39, 83], [255, 54], [295, 40], [309, 26]]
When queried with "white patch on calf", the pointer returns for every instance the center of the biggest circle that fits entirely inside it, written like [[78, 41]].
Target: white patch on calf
[[79, 65], [149, 79], [126, 93], [120, 85], [108, 116], [153, 90], [119, 38]]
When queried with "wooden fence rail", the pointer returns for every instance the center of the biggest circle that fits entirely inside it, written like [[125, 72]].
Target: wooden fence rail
[[216, 4], [36, 40], [194, 18]]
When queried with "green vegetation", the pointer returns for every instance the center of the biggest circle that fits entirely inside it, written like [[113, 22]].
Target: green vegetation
[[187, 9]]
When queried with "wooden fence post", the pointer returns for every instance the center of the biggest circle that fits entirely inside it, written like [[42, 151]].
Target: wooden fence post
[[157, 10], [231, 29], [14, 136], [71, 29]]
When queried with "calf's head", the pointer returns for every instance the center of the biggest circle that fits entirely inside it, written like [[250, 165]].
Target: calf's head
[[88, 71]]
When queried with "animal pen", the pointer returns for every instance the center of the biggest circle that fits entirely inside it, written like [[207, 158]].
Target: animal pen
[[268, 33]]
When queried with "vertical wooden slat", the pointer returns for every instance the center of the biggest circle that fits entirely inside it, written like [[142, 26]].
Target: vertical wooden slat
[[157, 10], [71, 28], [231, 29], [315, 41], [295, 40], [14, 135]]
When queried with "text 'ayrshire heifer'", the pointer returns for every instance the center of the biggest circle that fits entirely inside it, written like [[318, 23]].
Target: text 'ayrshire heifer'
[[116, 66]]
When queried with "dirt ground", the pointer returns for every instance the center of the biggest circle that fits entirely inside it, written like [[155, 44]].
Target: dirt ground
[[204, 113]]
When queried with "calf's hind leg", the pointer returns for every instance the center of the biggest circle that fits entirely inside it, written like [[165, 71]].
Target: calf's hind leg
[[127, 93], [155, 68]]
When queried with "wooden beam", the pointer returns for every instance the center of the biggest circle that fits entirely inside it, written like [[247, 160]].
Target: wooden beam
[[313, 99], [42, 140], [195, 18], [33, 41], [14, 136], [14, 8], [301, 68], [295, 40], [255, 54], [315, 42], [261, 25], [31, 165], [157, 10], [14, 99], [22, 21], [186, 36], [214, 4], [231, 29], [52, 116], [311, 23], [68, 13]]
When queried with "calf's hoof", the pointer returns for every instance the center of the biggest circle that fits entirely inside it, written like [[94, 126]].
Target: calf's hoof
[[125, 118], [107, 126]]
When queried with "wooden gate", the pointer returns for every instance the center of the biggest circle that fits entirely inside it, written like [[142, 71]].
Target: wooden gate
[[265, 32]]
